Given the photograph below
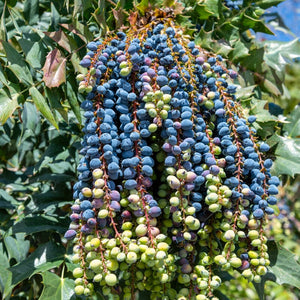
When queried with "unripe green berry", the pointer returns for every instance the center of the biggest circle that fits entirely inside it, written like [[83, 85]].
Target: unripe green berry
[[111, 279], [235, 262], [79, 290], [229, 235], [77, 272]]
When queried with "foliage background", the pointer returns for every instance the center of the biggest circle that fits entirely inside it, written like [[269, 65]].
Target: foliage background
[[42, 42]]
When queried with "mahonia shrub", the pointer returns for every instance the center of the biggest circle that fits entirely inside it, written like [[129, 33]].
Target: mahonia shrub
[[174, 185]]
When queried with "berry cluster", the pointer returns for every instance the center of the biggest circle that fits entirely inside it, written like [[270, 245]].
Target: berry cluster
[[173, 184], [234, 4]]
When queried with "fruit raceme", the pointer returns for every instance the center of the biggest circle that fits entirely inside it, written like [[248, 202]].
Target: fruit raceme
[[173, 183]]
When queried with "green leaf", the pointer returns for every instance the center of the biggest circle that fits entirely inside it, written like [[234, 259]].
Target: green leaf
[[287, 155], [22, 74], [51, 200], [248, 22], [239, 51], [35, 224], [77, 7], [45, 257], [42, 105], [142, 6], [75, 60], [245, 92], [284, 265], [99, 16], [260, 287], [56, 287], [55, 16], [279, 54], [18, 65], [5, 276], [2, 24], [204, 39], [202, 12], [53, 95], [293, 127], [220, 295], [268, 3], [56, 147], [7, 105], [213, 6], [3, 79], [30, 117], [31, 11], [259, 108], [271, 87], [73, 100], [36, 55], [7, 201], [17, 247]]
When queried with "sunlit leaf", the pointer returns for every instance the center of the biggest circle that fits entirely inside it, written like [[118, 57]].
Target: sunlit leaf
[[8, 105], [45, 257], [287, 155], [278, 54], [56, 287], [213, 6], [42, 105], [292, 128], [17, 247]]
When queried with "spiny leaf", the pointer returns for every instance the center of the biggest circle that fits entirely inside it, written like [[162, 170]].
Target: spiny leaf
[[56, 287], [17, 247], [293, 127], [142, 6], [279, 54], [255, 24], [260, 287], [287, 155], [213, 6], [268, 3], [284, 265], [54, 69]]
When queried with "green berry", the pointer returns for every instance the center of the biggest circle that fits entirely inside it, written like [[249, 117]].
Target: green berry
[[111, 279]]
